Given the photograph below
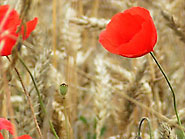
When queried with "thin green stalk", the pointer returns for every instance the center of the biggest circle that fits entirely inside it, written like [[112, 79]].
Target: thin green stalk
[[37, 90], [66, 118], [53, 129], [29, 101], [40, 98], [149, 125], [172, 91]]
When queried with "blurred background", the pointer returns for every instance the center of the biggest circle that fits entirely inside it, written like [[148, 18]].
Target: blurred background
[[107, 94]]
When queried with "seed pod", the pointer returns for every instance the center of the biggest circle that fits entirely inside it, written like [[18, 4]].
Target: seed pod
[[63, 89]]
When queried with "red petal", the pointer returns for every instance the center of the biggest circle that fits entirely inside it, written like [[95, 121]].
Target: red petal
[[130, 34], [12, 20], [5, 124], [11, 24], [107, 43], [8, 44], [144, 41], [139, 11], [141, 44], [30, 26], [3, 10], [120, 30], [1, 136], [24, 137]]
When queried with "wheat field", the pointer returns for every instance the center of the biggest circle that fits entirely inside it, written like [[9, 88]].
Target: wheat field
[[107, 94]]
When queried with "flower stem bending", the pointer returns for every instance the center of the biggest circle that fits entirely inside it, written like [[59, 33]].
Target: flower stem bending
[[171, 88], [149, 125], [40, 98], [29, 100]]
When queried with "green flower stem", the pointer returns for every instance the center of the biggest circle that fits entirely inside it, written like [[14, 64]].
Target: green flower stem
[[53, 129], [66, 118], [172, 91], [37, 90], [29, 100], [149, 125], [40, 98]]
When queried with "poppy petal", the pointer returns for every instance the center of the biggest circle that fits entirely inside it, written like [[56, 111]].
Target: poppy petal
[[24, 137], [1, 136], [130, 34], [141, 44], [12, 20], [3, 10], [118, 31], [30, 26], [5, 124], [107, 43], [7, 44]]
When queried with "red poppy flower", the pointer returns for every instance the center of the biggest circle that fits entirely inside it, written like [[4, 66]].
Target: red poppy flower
[[130, 34], [5, 124], [9, 28]]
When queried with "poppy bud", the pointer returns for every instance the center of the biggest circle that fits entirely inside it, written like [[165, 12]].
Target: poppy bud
[[63, 89]]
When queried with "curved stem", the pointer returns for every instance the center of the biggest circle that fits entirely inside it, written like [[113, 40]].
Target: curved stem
[[40, 98], [149, 125], [172, 91], [29, 100], [37, 90]]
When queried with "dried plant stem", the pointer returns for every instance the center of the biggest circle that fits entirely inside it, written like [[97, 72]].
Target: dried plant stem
[[149, 109], [9, 104], [156, 94], [80, 9], [95, 8], [149, 125], [171, 88], [40, 98], [5, 18], [54, 32], [25, 43], [29, 101], [38, 93]]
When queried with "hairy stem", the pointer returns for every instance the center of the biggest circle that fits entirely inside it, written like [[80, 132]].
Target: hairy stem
[[171, 88]]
